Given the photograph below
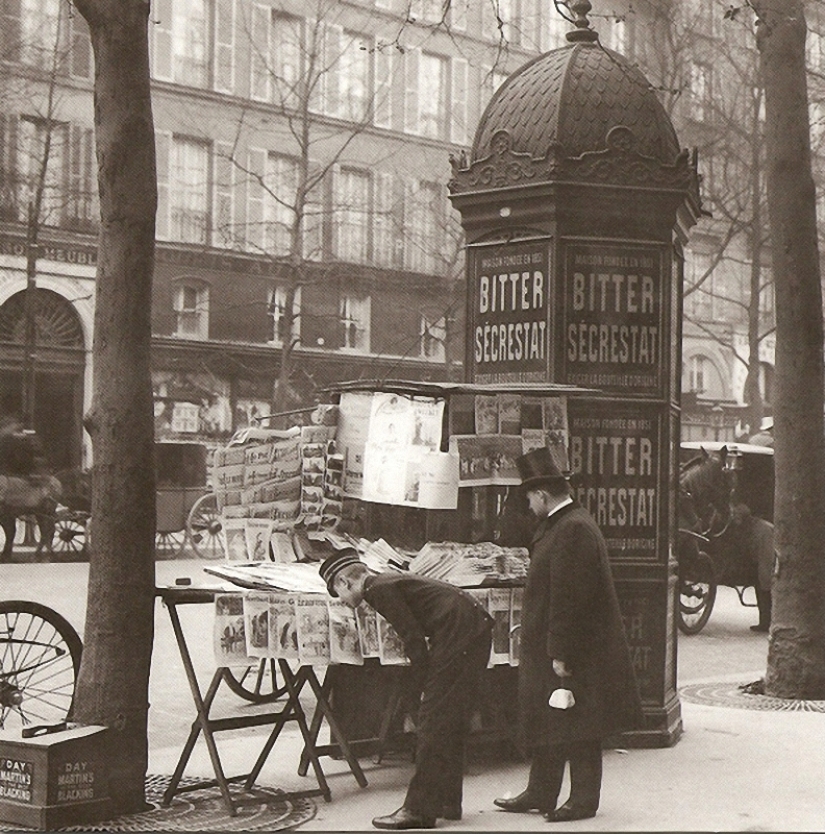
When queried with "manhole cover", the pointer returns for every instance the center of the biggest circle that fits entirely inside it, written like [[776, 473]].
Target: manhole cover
[[260, 809], [730, 695]]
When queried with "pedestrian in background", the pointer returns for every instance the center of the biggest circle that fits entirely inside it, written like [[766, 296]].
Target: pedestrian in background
[[572, 641], [446, 635]]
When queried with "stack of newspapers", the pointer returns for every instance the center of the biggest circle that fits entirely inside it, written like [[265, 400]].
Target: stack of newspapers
[[470, 564]]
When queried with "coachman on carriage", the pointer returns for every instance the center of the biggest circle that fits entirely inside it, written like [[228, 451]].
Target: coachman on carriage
[[726, 534], [26, 486]]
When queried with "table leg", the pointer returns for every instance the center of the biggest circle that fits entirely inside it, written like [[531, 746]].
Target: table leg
[[289, 681], [323, 705], [201, 723], [315, 726]]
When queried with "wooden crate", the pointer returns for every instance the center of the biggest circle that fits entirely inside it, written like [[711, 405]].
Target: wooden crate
[[54, 780]]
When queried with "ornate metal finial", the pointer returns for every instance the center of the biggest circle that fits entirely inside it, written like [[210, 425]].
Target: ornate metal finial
[[582, 33]]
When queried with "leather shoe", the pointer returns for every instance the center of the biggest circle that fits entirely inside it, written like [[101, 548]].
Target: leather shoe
[[403, 819], [760, 627], [568, 813], [451, 812], [520, 804]]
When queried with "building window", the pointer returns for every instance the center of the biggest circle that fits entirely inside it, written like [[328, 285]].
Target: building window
[[351, 100], [388, 242], [281, 187], [189, 190], [351, 206], [499, 19], [491, 80], [190, 63], [426, 11], [424, 228], [192, 311], [697, 373], [425, 103], [34, 134], [40, 35], [433, 338], [276, 45], [355, 323], [701, 91], [277, 312], [185, 418]]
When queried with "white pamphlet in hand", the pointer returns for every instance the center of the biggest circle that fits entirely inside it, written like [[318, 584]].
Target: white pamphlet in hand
[[561, 699]]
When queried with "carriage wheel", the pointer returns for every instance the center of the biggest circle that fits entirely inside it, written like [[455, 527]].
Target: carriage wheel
[[39, 660], [258, 684], [70, 532], [205, 528], [697, 593], [169, 543]]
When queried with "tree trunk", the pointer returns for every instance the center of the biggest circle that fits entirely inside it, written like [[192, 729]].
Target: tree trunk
[[114, 677], [796, 656]]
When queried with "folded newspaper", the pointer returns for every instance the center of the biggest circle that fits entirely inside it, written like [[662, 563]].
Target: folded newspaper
[[266, 576]]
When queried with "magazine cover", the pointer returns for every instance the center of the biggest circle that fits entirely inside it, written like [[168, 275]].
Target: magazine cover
[[229, 632], [258, 533], [367, 618], [283, 626], [313, 630], [235, 539], [509, 413], [256, 624], [344, 645], [486, 414], [390, 645]]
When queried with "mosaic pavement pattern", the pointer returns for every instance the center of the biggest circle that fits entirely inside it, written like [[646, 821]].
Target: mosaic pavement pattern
[[739, 696], [261, 809]]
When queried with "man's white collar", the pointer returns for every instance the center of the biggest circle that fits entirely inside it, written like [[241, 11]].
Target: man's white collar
[[560, 505]]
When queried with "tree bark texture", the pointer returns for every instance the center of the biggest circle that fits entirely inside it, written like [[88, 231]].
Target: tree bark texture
[[114, 677], [796, 655]]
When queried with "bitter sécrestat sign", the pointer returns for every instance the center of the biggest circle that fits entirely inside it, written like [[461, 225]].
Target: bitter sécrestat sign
[[599, 322]]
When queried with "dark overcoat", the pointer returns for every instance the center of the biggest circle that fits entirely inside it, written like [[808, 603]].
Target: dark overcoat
[[571, 613]]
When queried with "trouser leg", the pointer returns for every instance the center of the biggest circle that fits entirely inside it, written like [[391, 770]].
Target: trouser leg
[[443, 722], [546, 774], [585, 773]]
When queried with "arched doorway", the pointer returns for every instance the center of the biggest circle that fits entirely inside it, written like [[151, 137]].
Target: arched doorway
[[59, 351]]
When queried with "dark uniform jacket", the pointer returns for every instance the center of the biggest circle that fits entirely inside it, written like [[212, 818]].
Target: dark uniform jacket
[[571, 613], [422, 610]]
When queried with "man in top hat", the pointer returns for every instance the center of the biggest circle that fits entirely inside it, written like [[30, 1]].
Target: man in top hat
[[446, 635], [572, 640]]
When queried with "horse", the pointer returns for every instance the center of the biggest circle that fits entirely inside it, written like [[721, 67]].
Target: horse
[[26, 488], [740, 543]]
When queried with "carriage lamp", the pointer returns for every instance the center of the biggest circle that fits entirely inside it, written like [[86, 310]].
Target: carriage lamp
[[733, 460]]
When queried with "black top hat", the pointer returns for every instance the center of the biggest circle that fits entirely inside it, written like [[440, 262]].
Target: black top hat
[[539, 466], [333, 565]]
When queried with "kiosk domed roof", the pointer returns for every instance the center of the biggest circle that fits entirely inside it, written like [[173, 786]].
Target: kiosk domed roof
[[572, 97]]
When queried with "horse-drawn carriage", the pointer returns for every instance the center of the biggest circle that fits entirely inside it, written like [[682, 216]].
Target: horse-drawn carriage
[[725, 529], [56, 508]]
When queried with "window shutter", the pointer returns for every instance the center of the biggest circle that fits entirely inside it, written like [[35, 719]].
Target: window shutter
[[8, 166], [331, 68], [458, 102], [411, 118], [255, 198], [225, 46], [10, 30], [75, 201], [259, 47], [223, 210], [81, 47], [161, 29], [163, 152], [383, 72]]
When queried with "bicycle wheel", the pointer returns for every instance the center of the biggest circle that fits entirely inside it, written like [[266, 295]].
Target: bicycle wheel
[[258, 684], [39, 661], [205, 528], [697, 593]]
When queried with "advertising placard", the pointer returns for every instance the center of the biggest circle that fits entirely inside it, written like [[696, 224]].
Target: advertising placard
[[614, 318], [509, 288], [618, 460]]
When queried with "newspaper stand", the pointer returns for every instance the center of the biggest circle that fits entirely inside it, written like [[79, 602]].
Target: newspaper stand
[[290, 710], [368, 700]]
